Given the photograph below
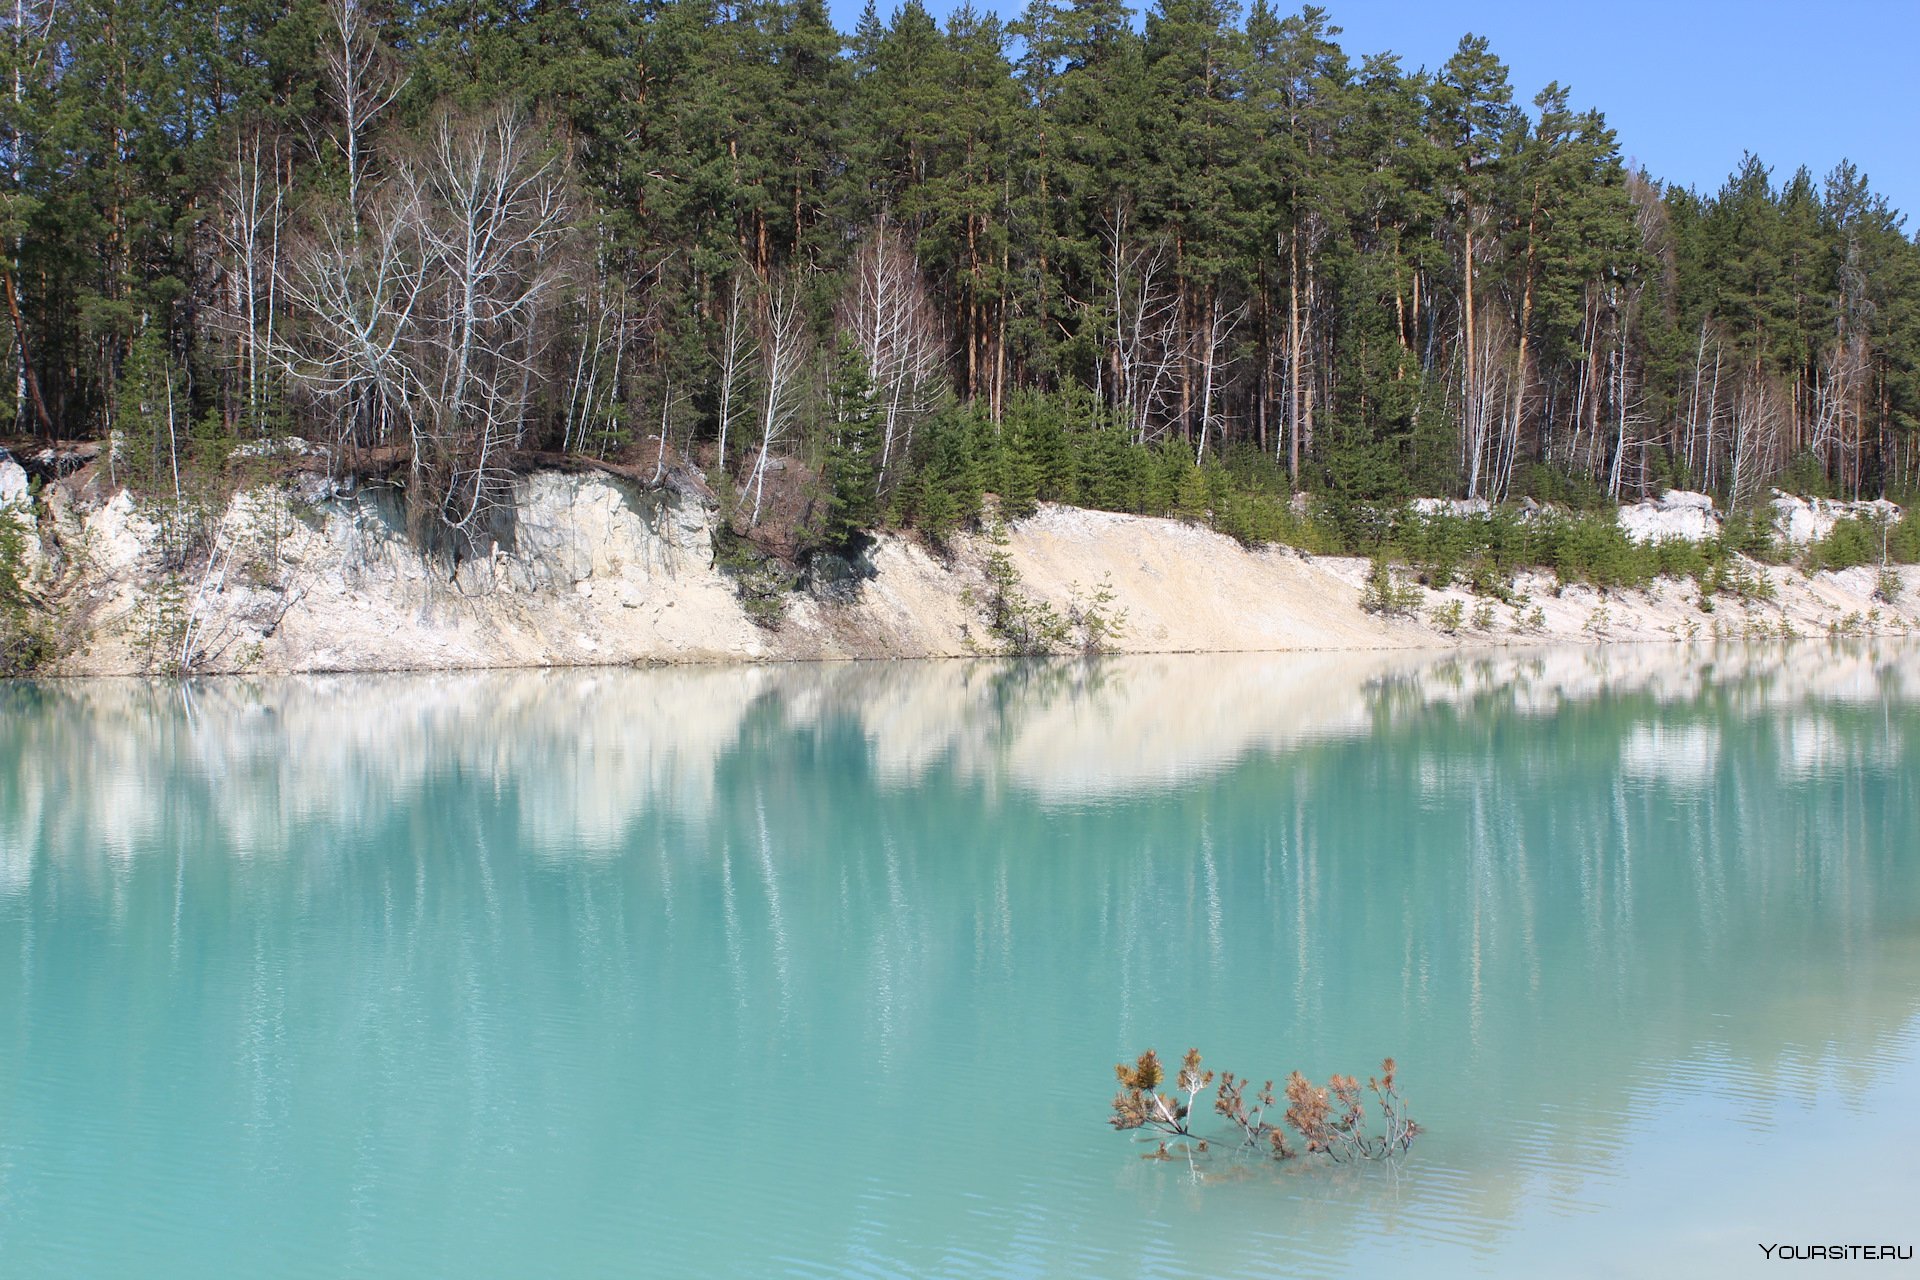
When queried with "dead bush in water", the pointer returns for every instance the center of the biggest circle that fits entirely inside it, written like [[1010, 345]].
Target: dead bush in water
[[1330, 1120]]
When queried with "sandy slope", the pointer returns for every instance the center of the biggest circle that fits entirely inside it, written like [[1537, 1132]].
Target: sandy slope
[[604, 572], [1182, 588]]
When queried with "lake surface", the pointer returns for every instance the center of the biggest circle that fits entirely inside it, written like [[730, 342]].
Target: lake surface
[[824, 970]]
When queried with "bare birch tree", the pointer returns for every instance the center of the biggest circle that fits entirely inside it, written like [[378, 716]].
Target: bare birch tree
[[352, 301], [360, 82], [1142, 318], [1839, 393], [429, 314], [598, 321], [611, 317], [493, 211], [1484, 371], [252, 219], [1703, 407], [28, 32], [889, 311], [736, 351], [1753, 435], [1213, 365], [783, 347]]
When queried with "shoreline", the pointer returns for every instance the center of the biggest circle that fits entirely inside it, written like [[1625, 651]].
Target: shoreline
[[1468, 647], [600, 574]]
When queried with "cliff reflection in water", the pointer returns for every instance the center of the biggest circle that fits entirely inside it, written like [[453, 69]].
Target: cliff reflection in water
[[116, 765], [1552, 883]]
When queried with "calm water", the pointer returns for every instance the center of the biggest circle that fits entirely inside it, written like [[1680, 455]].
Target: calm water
[[823, 971]]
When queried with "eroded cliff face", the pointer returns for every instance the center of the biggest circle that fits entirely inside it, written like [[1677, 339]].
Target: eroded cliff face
[[588, 568], [1797, 522]]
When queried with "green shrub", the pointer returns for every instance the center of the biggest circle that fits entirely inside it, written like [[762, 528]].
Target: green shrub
[[1545, 483], [1438, 545], [1094, 624], [1750, 533], [1679, 558], [1509, 543], [1488, 581], [1806, 473], [1357, 528], [1736, 580], [1386, 596], [1594, 549], [1064, 447], [1026, 626], [762, 581], [1449, 617], [1903, 540], [1851, 543], [26, 634]]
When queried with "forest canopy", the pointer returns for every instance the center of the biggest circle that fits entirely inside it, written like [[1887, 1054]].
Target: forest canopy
[[1085, 253]]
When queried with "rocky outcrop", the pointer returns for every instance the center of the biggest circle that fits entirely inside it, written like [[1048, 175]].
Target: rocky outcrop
[[13, 481], [1800, 522], [588, 568], [1677, 513], [1796, 522], [1457, 507]]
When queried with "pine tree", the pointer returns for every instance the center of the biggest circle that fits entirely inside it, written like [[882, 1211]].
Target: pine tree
[[853, 458]]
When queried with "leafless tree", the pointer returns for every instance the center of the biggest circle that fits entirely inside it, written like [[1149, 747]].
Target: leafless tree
[[1629, 424], [1703, 407], [352, 301], [889, 312], [1484, 371], [598, 319], [493, 211], [360, 82], [1143, 319], [1753, 435], [1838, 408], [607, 317], [1213, 365], [428, 309], [29, 25], [783, 347], [252, 219], [736, 351]]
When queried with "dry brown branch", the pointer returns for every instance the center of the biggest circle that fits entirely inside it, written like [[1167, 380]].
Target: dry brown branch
[[1330, 1120]]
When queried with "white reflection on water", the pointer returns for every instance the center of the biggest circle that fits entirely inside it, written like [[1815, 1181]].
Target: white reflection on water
[[1686, 755], [586, 754]]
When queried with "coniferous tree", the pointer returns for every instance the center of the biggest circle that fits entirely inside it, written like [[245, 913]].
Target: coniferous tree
[[1140, 251]]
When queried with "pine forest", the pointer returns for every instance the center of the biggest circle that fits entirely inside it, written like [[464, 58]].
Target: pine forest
[[1195, 260]]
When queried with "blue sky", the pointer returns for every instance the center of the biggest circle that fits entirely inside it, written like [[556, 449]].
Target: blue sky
[[1688, 84]]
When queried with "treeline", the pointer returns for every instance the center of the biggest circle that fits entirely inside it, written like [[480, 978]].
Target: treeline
[[446, 233]]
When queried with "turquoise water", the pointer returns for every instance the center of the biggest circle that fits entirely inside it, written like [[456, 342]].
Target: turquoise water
[[824, 970]]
